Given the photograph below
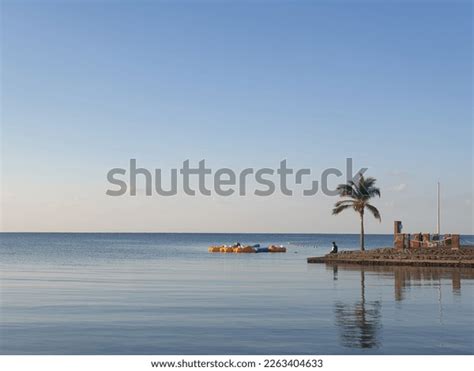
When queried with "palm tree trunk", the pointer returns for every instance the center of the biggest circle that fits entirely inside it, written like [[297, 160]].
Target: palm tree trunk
[[362, 248], [362, 286]]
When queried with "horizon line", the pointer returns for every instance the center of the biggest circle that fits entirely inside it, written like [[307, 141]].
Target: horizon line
[[155, 232]]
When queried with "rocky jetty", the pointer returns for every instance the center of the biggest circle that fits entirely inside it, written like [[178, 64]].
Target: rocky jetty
[[425, 257]]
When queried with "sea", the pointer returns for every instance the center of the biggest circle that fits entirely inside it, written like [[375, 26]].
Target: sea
[[160, 293]]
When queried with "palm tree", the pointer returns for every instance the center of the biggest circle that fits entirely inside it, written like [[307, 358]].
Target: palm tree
[[359, 194]]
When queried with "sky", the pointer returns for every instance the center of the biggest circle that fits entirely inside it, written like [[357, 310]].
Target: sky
[[88, 85]]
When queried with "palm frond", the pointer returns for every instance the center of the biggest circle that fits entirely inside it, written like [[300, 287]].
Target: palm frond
[[340, 208], [374, 191], [348, 190], [367, 188], [345, 190], [344, 202], [375, 212], [368, 182]]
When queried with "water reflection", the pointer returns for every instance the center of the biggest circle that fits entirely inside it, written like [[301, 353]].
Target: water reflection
[[360, 322], [406, 277]]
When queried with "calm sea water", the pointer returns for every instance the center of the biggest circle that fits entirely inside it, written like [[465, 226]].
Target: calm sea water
[[165, 294]]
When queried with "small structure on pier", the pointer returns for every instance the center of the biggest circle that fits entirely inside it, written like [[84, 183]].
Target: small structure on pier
[[420, 240]]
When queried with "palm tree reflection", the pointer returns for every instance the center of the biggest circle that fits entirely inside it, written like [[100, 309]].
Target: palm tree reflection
[[359, 323]]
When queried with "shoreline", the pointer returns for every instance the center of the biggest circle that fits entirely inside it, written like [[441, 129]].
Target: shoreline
[[420, 257]]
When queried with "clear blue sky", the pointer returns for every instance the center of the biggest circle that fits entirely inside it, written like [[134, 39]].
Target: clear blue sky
[[87, 85]]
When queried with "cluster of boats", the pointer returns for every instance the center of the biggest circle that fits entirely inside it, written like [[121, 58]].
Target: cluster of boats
[[237, 248]]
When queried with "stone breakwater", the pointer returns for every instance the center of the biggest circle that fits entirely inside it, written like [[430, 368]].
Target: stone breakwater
[[423, 257]]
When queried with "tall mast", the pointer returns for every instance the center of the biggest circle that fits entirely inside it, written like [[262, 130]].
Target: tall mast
[[438, 219]]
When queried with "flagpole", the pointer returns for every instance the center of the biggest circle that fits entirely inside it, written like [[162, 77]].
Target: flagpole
[[438, 224]]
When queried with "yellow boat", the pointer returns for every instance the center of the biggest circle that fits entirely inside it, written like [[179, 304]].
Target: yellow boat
[[244, 250], [274, 248], [214, 249]]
